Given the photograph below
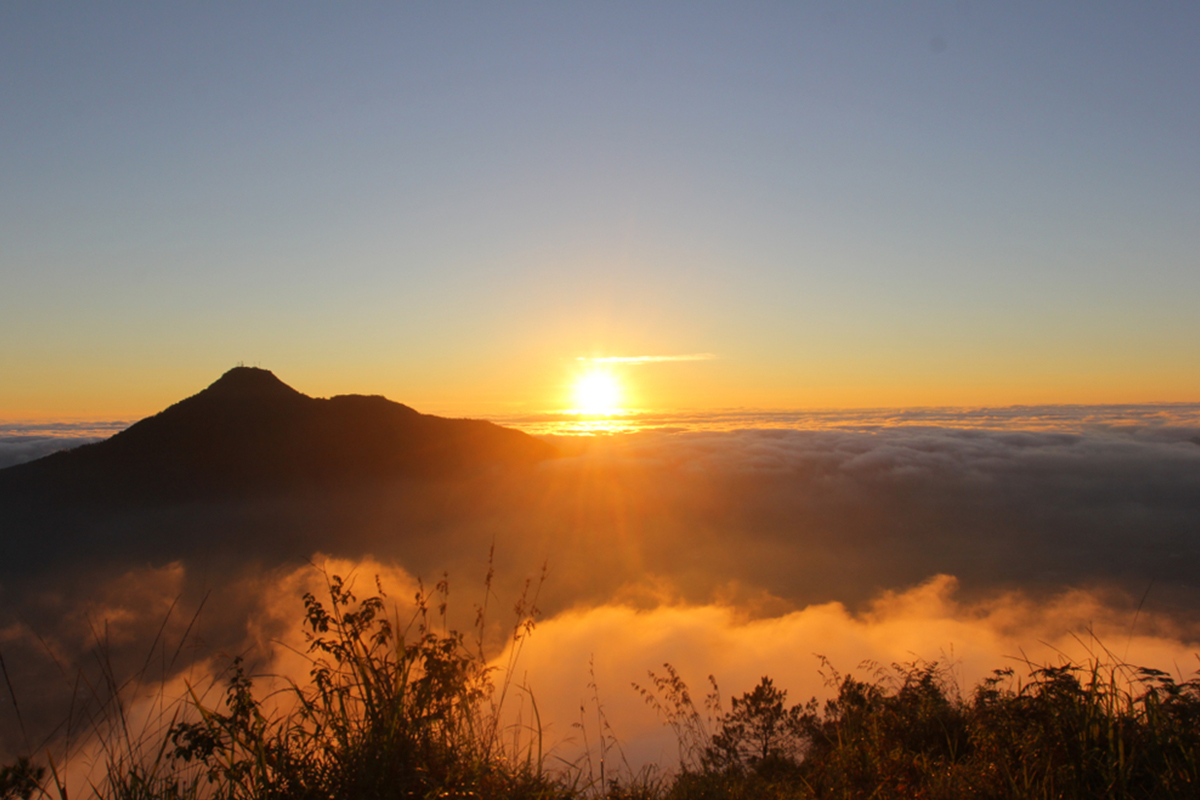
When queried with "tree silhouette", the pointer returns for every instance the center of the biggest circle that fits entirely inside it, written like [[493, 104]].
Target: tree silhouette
[[759, 733]]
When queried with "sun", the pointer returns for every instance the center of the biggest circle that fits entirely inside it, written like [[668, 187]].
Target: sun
[[597, 392]]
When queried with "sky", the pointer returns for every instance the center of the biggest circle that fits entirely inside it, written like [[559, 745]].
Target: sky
[[457, 205]]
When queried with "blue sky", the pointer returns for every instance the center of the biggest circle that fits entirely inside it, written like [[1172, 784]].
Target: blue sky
[[927, 203]]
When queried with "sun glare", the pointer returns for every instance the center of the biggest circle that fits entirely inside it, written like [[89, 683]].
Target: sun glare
[[597, 393]]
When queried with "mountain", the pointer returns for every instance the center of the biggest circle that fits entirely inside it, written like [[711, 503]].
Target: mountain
[[250, 433]]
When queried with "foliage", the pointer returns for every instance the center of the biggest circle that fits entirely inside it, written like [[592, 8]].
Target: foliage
[[759, 733], [20, 779], [1071, 731], [386, 715]]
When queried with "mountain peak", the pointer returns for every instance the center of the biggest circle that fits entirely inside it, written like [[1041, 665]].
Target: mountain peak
[[250, 433], [249, 382]]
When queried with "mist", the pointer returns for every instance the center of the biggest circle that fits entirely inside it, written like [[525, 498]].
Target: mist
[[17, 449], [736, 553]]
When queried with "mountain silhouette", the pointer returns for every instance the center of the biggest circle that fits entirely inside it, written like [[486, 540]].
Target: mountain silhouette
[[250, 433]]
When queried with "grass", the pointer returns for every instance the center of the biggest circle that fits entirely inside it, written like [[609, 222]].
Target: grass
[[405, 708]]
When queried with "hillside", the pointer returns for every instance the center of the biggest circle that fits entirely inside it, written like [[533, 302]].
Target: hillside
[[250, 432]]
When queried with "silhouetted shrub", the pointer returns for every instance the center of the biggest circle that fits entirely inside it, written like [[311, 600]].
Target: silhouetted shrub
[[386, 715], [21, 779], [1109, 731]]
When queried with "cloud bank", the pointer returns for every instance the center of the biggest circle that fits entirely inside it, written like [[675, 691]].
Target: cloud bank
[[19, 449], [737, 553], [26, 441], [802, 516], [614, 646], [580, 663], [1061, 418]]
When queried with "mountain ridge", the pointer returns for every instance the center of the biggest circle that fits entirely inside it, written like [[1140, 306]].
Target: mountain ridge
[[249, 432]]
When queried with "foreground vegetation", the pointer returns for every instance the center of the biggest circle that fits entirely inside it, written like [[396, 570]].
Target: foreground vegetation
[[414, 713]]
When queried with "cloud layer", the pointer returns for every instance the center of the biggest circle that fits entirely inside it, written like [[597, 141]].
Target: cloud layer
[[801, 516], [26, 441], [612, 646], [1163, 418], [19, 449], [579, 665], [737, 553]]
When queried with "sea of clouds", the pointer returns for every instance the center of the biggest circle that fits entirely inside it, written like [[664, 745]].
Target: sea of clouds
[[1076, 418], [735, 552], [580, 666], [26, 441]]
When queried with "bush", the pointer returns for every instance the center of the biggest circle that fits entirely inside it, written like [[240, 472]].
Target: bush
[[386, 715], [21, 779], [1071, 731]]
